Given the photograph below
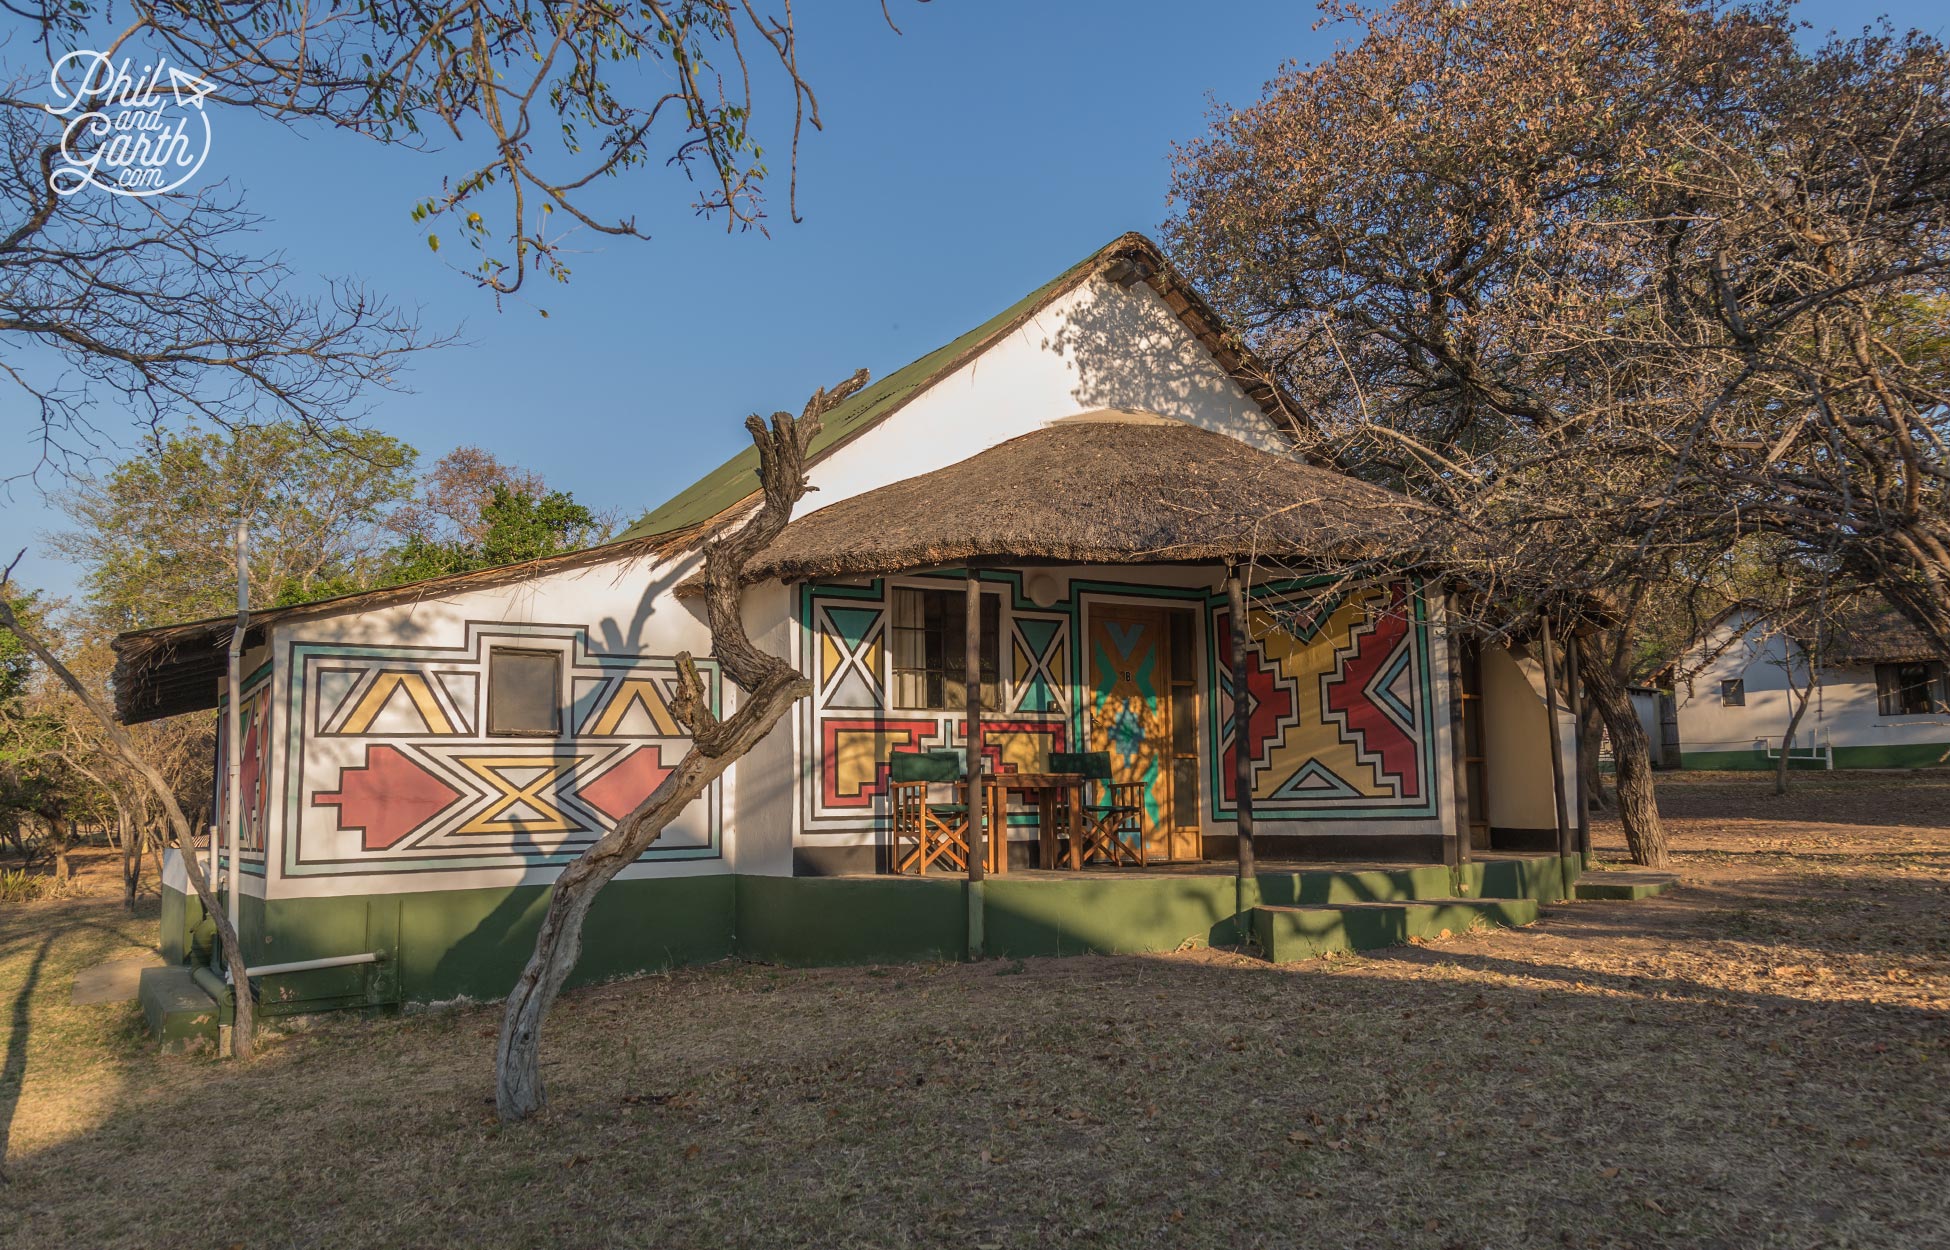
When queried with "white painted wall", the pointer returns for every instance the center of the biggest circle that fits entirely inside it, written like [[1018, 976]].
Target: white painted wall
[[1100, 346], [1645, 705], [627, 608], [1516, 740], [1844, 712], [763, 783]]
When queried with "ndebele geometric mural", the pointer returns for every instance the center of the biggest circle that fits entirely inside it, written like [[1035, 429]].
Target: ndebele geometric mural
[[394, 770], [1339, 692]]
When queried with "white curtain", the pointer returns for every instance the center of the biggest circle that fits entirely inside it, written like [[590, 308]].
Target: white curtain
[[910, 649]]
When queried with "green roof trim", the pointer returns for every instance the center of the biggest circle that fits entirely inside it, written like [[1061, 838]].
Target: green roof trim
[[737, 478]]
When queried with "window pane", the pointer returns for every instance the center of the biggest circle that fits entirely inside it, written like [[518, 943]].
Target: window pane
[[1733, 692], [1184, 668], [1184, 792], [910, 649], [524, 689], [1908, 689], [931, 649]]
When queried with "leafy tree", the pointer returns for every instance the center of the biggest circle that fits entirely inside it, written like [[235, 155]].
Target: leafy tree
[[155, 533], [455, 494], [513, 526]]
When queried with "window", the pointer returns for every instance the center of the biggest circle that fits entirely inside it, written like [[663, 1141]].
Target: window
[[1914, 689], [524, 693], [1733, 692], [931, 649]]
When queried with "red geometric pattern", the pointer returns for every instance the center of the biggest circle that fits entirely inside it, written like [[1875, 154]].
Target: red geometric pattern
[[856, 775], [1270, 702], [1349, 696], [617, 792], [387, 798]]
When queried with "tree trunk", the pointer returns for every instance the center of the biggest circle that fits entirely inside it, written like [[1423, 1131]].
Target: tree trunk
[[1638, 806], [1806, 696], [771, 687], [244, 1027], [1591, 732], [59, 835], [131, 856], [518, 1090]]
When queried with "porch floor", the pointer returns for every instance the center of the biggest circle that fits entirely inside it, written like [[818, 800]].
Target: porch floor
[[1213, 868]]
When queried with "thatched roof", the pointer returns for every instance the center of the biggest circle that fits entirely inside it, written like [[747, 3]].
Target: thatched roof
[[1104, 488], [1875, 633], [1129, 258]]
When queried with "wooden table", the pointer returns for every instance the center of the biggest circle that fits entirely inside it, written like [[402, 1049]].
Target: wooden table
[[1044, 789]]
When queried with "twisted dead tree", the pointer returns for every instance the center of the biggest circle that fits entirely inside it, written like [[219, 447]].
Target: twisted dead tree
[[771, 686], [243, 1027]]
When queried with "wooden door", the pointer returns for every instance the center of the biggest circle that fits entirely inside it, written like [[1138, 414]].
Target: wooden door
[[1131, 705]]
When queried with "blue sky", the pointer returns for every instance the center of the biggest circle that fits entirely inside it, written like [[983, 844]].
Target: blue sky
[[963, 162]]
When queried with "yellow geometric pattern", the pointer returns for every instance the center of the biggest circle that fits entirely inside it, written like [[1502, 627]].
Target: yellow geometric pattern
[[1315, 737], [374, 703], [636, 692], [533, 792], [1024, 751]]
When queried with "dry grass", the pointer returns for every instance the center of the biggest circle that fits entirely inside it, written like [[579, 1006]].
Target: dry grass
[[1757, 1060]]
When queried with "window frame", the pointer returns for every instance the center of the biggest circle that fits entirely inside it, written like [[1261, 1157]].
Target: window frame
[[953, 658], [555, 693], [1733, 692], [1891, 689]]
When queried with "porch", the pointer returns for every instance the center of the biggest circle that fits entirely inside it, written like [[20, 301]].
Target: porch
[[1073, 593], [1288, 910]]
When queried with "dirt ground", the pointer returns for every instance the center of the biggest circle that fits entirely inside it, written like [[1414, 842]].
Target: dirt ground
[[1756, 1059]]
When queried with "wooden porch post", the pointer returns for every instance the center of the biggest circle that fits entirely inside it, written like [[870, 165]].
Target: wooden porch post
[[1459, 846], [1574, 701], [1242, 764], [972, 705], [1556, 746]]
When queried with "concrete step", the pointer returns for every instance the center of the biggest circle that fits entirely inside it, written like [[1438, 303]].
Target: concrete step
[[1315, 887], [1624, 886], [1287, 934], [179, 1010]]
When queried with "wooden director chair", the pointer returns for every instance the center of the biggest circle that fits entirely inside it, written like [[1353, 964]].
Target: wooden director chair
[[928, 833], [1111, 818]]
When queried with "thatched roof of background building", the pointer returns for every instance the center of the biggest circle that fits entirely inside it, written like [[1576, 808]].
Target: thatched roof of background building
[[1875, 633], [1104, 488]]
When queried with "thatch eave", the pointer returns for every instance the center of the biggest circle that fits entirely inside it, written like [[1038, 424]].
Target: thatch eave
[[1104, 489], [169, 670]]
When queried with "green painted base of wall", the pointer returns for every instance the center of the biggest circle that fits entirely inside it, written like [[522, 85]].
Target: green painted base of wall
[[851, 920], [1544, 878], [441, 945], [1393, 885], [1113, 915], [1918, 755], [174, 941], [180, 1012], [446, 944]]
